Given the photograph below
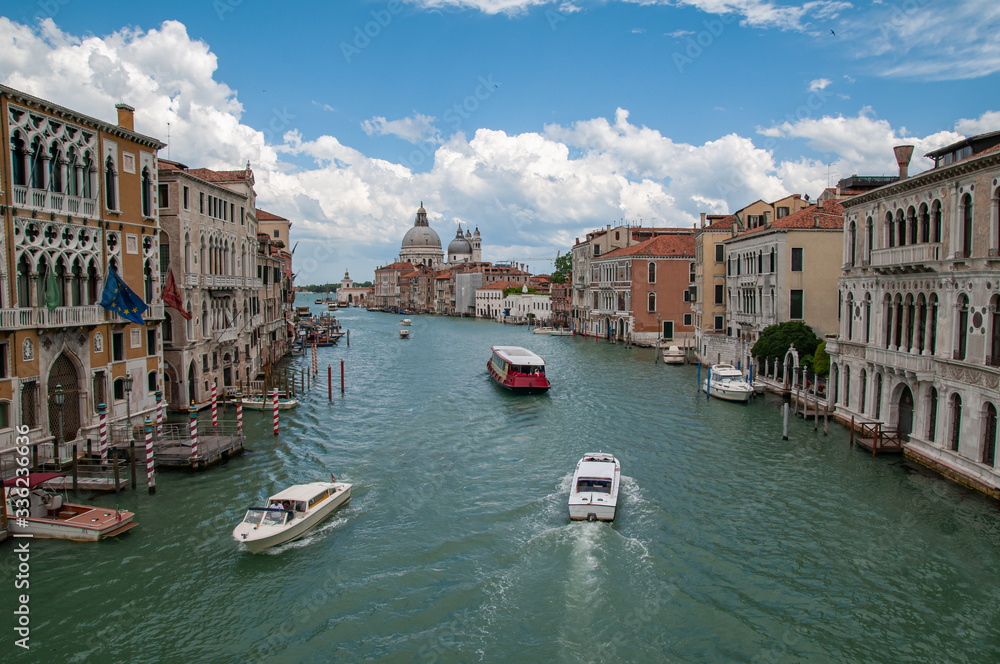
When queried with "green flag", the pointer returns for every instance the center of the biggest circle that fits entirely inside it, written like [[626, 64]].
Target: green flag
[[51, 290]]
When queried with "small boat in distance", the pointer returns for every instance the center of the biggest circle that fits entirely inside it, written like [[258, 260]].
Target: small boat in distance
[[673, 355], [518, 370], [727, 383], [290, 514], [561, 332], [49, 517], [257, 402], [594, 493], [404, 334], [319, 300], [406, 321], [542, 330]]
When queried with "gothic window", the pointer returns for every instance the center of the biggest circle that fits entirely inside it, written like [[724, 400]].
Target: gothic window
[[147, 193], [932, 407], [956, 421], [962, 328], [110, 185], [990, 436], [966, 212]]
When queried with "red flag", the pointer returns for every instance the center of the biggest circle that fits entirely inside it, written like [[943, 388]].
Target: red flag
[[172, 297]]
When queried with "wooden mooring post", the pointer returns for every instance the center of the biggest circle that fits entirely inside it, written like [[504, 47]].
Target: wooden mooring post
[[76, 471], [114, 465]]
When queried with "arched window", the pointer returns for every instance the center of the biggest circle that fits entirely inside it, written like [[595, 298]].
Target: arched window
[[110, 185], [878, 396], [151, 384], [147, 193], [863, 395], [936, 220], [932, 406], [966, 213], [37, 165], [911, 310], [849, 314], [87, 176], [652, 272], [924, 220], [168, 328], [961, 327], [119, 389], [18, 154], [651, 301], [869, 239], [847, 385], [55, 174], [900, 228], [911, 224], [956, 422], [760, 261], [148, 281], [993, 358], [852, 237], [990, 436], [890, 230], [932, 333], [921, 323], [868, 317]]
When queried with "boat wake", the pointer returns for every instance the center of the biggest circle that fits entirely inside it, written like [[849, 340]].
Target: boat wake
[[310, 537]]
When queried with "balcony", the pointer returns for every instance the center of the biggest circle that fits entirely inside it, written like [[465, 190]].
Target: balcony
[[921, 365], [228, 335], [257, 321], [221, 281], [40, 317], [192, 279], [53, 201], [908, 258]]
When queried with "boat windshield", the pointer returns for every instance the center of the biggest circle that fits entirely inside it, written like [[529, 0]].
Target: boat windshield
[[591, 485], [262, 516]]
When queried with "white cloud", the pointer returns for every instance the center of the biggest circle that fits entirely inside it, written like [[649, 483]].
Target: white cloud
[[988, 121], [529, 193], [638, 31], [818, 84], [677, 34], [413, 129]]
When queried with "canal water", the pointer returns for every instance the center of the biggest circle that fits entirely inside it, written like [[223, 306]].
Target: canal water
[[731, 545]]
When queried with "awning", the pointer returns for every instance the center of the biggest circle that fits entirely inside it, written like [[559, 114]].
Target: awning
[[31, 480]]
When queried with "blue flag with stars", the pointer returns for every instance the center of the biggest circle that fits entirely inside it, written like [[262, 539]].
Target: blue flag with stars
[[119, 298]]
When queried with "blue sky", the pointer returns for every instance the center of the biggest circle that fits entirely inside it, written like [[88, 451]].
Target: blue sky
[[535, 121]]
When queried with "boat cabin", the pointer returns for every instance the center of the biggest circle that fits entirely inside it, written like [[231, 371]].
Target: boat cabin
[[593, 485], [267, 516]]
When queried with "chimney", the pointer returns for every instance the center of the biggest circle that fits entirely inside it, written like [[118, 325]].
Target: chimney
[[903, 154], [126, 117], [702, 219], [767, 218]]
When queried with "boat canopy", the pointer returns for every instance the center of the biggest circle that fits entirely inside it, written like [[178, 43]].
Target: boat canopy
[[31, 480], [301, 491], [519, 356]]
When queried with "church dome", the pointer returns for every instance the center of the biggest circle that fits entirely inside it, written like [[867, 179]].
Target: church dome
[[460, 245], [421, 237]]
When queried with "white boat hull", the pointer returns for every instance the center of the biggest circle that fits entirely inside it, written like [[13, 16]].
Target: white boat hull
[[727, 394], [268, 404], [264, 537], [595, 504]]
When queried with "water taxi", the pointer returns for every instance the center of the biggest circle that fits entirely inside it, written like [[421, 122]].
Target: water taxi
[[727, 383], [518, 370], [594, 493], [48, 516], [406, 321], [319, 300], [673, 355], [404, 334], [290, 514]]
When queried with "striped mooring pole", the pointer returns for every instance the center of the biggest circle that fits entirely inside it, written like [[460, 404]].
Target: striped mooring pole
[[102, 412], [215, 407], [193, 412], [239, 413], [275, 402], [150, 478], [159, 414]]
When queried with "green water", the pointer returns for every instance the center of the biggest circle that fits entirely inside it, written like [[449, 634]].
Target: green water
[[730, 545]]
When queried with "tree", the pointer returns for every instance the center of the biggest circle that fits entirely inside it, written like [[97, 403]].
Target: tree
[[564, 268], [775, 341], [821, 361]]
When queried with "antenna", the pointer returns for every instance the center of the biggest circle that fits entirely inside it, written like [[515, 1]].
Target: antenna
[[168, 141]]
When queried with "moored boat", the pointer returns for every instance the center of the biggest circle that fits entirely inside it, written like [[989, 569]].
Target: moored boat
[[594, 493], [35, 511], [290, 514], [257, 402], [561, 332], [673, 355], [542, 330], [518, 370], [727, 383]]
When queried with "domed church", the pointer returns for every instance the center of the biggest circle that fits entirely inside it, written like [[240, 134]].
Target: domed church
[[465, 249], [421, 245]]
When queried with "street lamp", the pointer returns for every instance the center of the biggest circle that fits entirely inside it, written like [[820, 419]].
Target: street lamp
[[60, 398]]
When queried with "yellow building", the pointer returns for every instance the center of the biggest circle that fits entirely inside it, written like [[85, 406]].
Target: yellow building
[[77, 198]]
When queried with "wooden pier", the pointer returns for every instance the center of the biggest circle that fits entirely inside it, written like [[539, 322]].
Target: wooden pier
[[875, 438], [172, 450]]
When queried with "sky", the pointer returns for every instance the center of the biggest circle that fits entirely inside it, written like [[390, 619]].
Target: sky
[[535, 121]]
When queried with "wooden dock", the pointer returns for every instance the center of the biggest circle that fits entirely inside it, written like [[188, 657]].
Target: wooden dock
[[172, 450], [875, 438]]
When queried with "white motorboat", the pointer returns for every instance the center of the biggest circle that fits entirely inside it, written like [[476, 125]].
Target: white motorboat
[[673, 355], [542, 330], [35, 511], [594, 494], [404, 334], [561, 332], [406, 321], [290, 514], [266, 403], [726, 382]]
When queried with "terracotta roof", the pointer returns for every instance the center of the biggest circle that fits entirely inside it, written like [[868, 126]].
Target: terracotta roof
[[220, 176], [264, 215], [500, 285], [828, 217], [397, 266], [726, 223], [673, 244]]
